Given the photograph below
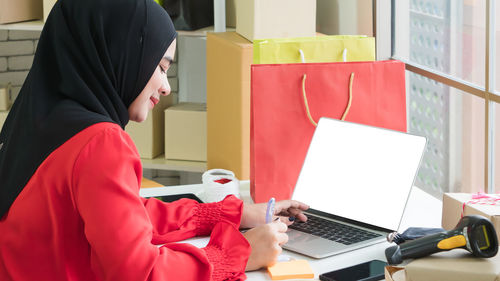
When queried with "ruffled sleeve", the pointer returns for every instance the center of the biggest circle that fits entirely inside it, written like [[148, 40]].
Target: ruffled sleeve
[[226, 255], [187, 218], [119, 225], [228, 251]]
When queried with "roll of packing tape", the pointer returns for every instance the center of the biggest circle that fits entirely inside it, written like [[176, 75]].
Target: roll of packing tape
[[219, 183]]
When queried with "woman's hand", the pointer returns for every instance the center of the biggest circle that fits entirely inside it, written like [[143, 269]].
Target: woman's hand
[[255, 214], [265, 241]]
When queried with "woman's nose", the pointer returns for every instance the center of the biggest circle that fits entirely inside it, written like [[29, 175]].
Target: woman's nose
[[165, 88]]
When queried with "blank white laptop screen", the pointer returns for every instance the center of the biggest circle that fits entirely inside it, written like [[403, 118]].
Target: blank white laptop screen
[[359, 172]]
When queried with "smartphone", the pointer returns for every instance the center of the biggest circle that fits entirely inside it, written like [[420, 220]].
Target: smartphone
[[368, 271]]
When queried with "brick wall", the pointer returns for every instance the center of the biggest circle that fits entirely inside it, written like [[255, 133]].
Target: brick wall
[[17, 48]]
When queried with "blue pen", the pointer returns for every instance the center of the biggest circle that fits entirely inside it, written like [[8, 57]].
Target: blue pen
[[270, 210]]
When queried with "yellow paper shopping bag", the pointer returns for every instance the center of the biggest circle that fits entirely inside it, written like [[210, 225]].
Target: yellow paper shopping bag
[[333, 48]]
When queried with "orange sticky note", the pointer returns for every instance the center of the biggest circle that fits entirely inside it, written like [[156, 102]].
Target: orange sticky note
[[291, 270]]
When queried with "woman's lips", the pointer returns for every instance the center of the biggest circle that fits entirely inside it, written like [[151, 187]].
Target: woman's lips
[[154, 100]]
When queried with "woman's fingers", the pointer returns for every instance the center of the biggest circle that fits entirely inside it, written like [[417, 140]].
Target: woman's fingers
[[290, 204], [286, 220], [279, 226], [282, 238], [291, 208], [293, 212], [301, 217], [265, 241]]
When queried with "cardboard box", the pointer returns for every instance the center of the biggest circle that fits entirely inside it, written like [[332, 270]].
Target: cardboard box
[[192, 69], [263, 19], [20, 10], [47, 7], [394, 273], [345, 17], [229, 57], [149, 136], [147, 183], [456, 265], [5, 97], [453, 204], [3, 117], [186, 132]]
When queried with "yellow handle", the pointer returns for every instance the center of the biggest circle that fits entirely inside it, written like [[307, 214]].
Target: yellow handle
[[452, 242], [307, 104]]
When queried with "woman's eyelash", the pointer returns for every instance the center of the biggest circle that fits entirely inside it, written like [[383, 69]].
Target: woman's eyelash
[[162, 69]]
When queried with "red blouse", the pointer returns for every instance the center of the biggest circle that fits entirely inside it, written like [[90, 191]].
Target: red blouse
[[80, 217]]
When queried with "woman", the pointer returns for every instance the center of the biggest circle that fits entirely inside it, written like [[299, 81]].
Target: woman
[[69, 175]]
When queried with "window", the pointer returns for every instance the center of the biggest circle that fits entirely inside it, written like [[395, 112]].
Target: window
[[449, 48], [453, 122]]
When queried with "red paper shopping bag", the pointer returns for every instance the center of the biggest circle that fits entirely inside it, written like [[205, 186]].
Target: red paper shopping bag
[[287, 100]]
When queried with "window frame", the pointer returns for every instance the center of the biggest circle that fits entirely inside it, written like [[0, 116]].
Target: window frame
[[384, 30]]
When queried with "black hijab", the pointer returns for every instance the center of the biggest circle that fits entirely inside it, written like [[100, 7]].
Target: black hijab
[[93, 59]]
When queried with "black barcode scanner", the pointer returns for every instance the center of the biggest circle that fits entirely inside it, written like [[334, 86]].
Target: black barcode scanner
[[473, 233]]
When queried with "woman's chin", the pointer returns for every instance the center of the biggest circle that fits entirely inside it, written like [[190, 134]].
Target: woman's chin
[[139, 118]]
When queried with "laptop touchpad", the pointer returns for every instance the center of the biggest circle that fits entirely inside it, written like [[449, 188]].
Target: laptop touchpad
[[309, 244], [300, 237]]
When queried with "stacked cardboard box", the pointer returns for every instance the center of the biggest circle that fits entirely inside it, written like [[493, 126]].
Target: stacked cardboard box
[[47, 7], [457, 204], [20, 10], [5, 97], [229, 57], [186, 132], [264, 19], [456, 265], [3, 117], [148, 136]]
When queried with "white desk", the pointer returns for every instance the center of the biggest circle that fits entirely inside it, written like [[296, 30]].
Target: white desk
[[422, 210]]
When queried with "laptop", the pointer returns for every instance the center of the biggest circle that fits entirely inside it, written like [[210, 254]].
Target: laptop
[[356, 180]]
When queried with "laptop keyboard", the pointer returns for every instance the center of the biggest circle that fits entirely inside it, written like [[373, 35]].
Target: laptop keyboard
[[333, 231]]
